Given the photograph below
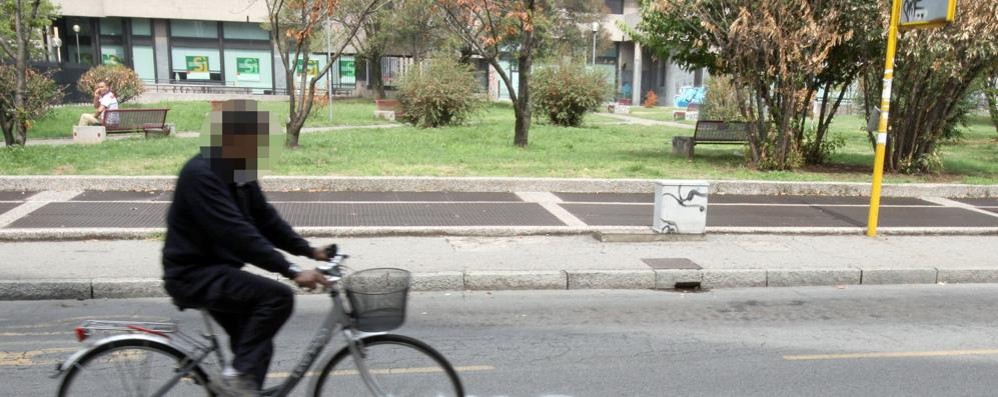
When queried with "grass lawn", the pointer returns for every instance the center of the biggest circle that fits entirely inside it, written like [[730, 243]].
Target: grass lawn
[[189, 116], [484, 148], [660, 113]]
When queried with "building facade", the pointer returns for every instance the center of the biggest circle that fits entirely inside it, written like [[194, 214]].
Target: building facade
[[213, 46], [218, 46]]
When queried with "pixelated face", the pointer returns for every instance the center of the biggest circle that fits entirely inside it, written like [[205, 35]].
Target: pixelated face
[[102, 87], [238, 132], [243, 134]]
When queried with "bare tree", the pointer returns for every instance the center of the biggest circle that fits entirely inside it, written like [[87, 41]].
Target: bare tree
[[293, 25]]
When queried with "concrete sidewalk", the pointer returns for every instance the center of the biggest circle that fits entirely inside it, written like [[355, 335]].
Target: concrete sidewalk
[[128, 269]]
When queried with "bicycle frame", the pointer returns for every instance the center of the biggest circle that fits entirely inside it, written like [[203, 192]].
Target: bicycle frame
[[337, 321]]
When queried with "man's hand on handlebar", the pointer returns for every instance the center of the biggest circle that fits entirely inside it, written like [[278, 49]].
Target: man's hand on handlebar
[[324, 253], [310, 279]]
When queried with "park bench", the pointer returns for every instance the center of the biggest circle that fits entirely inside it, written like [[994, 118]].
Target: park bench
[[711, 132], [149, 121]]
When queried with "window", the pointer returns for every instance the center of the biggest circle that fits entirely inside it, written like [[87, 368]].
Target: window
[[196, 64], [615, 6], [245, 31], [110, 26], [141, 27], [112, 55], [144, 62], [196, 29]]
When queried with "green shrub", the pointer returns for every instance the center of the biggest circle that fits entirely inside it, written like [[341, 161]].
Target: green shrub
[[566, 92], [721, 100], [43, 93], [440, 92], [125, 83]]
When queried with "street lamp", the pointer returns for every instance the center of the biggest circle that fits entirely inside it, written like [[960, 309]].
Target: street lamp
[[595, 30], [329, 59], [76, 31]]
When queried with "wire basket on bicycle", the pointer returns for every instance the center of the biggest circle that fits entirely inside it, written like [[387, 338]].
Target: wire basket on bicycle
[[378, 298]]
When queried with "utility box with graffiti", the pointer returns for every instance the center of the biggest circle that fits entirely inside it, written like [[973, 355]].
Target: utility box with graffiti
[[680, 207]]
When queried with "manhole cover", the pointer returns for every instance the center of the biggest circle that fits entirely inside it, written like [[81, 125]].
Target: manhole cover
[[671, 263]]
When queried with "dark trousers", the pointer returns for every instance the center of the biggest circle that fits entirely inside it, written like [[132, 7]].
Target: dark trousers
[[250, 308]]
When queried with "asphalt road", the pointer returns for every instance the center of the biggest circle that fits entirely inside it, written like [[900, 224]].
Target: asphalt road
[[877, 341]]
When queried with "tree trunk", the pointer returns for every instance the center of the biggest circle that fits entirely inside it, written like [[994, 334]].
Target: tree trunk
[[991, 93], [522, 102], [376, 77], [21, 75], [7, 125]]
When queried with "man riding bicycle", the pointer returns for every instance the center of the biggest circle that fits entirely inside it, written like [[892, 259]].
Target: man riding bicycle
[[219, 221]]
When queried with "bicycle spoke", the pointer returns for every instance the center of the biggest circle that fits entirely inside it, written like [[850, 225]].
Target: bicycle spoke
[[130, 370]]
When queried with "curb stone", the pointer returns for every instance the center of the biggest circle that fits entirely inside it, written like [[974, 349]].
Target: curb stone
[[733, 278], [876, 276], [128, 288], [668, 278], [968, 276], [45, 289], [812, 277], [440, 281], [611, 279], [515, 280]]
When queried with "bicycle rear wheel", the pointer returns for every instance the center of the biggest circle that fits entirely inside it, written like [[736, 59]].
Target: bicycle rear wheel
[[401, 367], [131, 367]]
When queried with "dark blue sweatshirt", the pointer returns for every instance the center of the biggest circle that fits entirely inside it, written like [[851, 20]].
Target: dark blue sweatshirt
[[214, 221]]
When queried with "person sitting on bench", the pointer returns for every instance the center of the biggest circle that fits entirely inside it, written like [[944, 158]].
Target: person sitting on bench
[[104, 100]]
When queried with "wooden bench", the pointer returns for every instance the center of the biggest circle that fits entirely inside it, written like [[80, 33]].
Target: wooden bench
[[711, 132], [149, 121]]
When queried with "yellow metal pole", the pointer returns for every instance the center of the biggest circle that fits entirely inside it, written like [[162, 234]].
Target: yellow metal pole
[[885, 106]]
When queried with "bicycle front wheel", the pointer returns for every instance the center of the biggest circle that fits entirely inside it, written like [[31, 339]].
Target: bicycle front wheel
[[399, 366], [132, 367]]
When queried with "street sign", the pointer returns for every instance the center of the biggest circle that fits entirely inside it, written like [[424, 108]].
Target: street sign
[[926, 13]]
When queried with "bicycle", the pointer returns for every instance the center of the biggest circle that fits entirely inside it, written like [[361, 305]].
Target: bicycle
[[156, 359]]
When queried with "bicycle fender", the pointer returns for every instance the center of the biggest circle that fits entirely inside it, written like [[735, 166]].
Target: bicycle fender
[[79, 354]]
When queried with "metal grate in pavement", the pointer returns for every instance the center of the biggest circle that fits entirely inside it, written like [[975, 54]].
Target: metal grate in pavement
[[15, 195], [111, 214], [417, 214], [392, 196], [88, 215], [152, 195], [776, 216], [813, 200], [649, 198], [612, 214], [606, 197], [671, 263], [979, 202], [4, 207], [758, 216]]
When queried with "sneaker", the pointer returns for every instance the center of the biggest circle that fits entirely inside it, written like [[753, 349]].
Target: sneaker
[[241, 385]]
